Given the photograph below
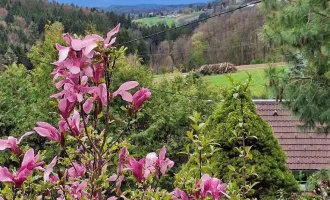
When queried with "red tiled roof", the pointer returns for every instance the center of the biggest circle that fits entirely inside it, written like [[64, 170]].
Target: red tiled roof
[[305, 150]]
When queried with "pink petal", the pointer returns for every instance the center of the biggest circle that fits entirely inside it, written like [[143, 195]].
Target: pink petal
[[63, 52], [126, 96], [74, 69], [47, 126], [162, 153], [88, 105], [128, 85], [112, 178], [112, 33], [4, 145], [5, 175], [89, 48], [77, 45], [28, 157], [49, 169], [67, 38], [94, 37], [43, 132]]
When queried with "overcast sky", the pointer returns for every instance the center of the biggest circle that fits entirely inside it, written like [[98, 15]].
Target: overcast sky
[[105, 3]]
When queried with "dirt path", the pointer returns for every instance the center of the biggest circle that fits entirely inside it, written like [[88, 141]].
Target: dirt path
[[241, 67]]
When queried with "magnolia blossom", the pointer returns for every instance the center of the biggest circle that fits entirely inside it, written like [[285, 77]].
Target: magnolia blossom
[[136, 168], [164, 163], [30, 162], [123, 90], [77, 189], [140, 97], [122, 159], [49, 170], [213, 187], [76, 170], [179, 195], [12, 143], [66, 107], [150, 165], [46, 130]]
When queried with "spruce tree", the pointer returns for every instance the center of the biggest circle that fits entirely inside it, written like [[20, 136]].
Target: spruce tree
[[235, 118]]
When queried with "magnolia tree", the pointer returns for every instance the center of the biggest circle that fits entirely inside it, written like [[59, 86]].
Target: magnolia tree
[[92, 162]]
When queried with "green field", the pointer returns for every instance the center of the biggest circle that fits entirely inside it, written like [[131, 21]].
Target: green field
[[150, 21], [257, 86]]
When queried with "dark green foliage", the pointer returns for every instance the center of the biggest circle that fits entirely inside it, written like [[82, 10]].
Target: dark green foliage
[[300, 31], [268, 157]]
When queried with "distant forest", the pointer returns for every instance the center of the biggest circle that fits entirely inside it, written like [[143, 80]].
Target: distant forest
[[232, 38]]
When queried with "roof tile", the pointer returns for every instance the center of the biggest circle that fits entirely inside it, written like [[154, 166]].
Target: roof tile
[[305, 150]]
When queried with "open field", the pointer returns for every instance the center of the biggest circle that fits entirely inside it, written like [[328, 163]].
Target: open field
[[150, 21], [184, 19], [258, 84]]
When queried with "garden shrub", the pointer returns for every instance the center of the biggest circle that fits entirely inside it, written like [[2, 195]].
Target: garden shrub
[[256, 62], [235, 113]]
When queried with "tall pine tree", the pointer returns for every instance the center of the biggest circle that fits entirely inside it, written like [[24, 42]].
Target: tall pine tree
[[300, 30]]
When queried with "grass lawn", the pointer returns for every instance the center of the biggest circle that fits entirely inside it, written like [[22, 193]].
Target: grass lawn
[[149, 21], [257, 86]]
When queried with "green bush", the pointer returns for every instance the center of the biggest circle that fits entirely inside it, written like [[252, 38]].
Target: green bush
[[268, 157], [256, 61]]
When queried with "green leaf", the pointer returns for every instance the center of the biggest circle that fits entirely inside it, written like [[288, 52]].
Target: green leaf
[[231, 168], [190, 135]]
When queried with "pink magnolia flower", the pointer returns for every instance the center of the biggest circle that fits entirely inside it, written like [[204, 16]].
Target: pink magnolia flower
[[73, 89], [77, 190], [118, 180], [74, 123], [66, 107], [136, 168], [140, 97], [179, 195], [164, 163], [63, 52], [212, 186], [98, 72], [12, 143], [122, 159], [150, 164], [87, 45], [29, 163], [109, 41], [49, 170], [123, 90], [100, 93], [88, 105], [46, 130], [77, 170]]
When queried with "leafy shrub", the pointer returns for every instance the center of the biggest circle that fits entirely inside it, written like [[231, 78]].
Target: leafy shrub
[[256, 61]]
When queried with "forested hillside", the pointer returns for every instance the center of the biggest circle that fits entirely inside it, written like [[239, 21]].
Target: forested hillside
[[229, 38]]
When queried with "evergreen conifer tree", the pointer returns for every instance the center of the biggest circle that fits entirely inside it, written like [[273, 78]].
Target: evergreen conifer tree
[[300, 31], [235, 118]]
